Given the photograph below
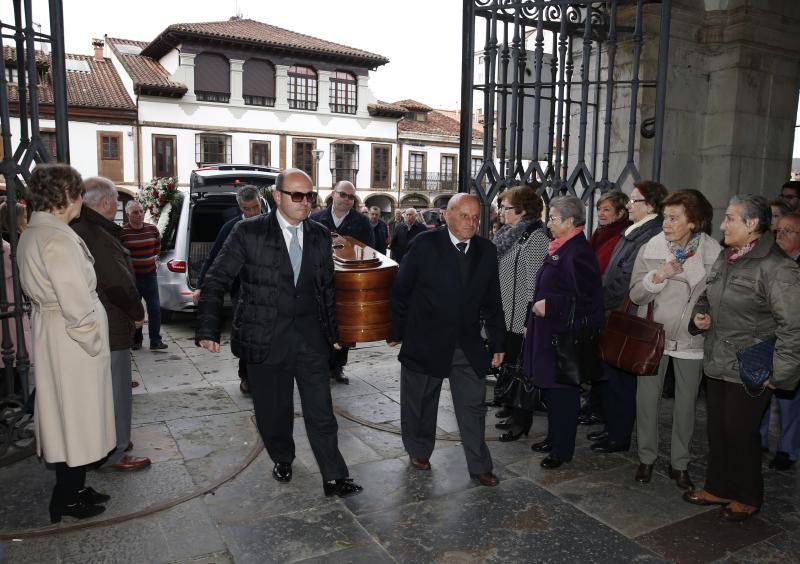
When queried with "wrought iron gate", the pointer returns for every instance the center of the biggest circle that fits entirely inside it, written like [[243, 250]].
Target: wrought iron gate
[[551, 73], [39, 59]]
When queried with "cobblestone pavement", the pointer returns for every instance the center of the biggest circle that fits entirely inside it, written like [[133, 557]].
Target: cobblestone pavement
[[192, 421]]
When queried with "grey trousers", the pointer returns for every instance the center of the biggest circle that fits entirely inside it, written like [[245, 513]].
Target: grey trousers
[[419, 405], [688, 373], [123, 402]]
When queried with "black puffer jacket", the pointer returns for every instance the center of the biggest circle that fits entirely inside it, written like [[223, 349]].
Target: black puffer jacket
[[253, 252], [617, 277]]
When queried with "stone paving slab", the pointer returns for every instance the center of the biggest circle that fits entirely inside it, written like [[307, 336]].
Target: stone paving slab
[[514, 522], [192, 420]]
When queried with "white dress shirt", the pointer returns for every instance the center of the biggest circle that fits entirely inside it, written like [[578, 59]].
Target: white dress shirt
[[287, 235], [455, 242]]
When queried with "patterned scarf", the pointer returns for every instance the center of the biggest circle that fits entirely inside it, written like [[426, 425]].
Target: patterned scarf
[[507, 235], [682, 254], [732, 255]]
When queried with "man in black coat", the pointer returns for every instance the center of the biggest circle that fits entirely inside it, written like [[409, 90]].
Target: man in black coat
[[379, 229], [116, 288], [446, 284], [248, 198], [284, 325], [404, 233], [342, 218]]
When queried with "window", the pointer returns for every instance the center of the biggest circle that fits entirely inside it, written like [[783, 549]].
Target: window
[[259, 153], [303, 158], [49, 140], [344, 161], [212, 78], [11, 75], [381, 166], [343, 93], [416, 116], [416, 164], [211, 149], [164, 158], [447, 173], [109, 155], [477, 163], [258, 83], [302, 88]]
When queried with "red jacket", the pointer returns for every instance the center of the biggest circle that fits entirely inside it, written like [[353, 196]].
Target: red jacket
[[604, 239]]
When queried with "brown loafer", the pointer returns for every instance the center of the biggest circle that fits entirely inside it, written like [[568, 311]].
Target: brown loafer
[[681, 478], [420, 463], [644, 473], [129, 462], [737, 512], [486, 479], [702, 497]]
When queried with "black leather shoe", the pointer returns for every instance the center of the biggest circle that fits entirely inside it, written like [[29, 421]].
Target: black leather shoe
[[93, 497], [551, 462], [589, 419], [342, 487], [596, 436], [681, 478], [159, 346], [503, 425], [781, 462], [136, 346], [282, 472], [80, 510], [644, 473], [244, 387], [504, 413], [608, 446], [544, 446], [338, 375], [511, 435]]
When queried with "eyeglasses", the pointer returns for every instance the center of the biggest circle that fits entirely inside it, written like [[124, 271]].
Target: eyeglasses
[[552, 219], [634, 200], [507, 208], [784, 231], [346, 195], [297, 197]]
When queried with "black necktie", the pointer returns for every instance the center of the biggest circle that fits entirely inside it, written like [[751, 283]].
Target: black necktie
[[462, 247]]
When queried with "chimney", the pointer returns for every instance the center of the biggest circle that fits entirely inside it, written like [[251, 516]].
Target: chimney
[[98, 45]]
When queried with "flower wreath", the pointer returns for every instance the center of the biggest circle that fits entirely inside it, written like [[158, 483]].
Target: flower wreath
[[157, 199]]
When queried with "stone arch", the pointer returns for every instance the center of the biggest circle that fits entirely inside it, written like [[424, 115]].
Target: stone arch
[[415, 201], [386, 202], [441, 201]]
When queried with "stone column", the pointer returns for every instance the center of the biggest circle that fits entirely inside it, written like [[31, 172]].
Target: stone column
[[236, 82], [185, 74], [281, 87], [323, 92], [364, 96]]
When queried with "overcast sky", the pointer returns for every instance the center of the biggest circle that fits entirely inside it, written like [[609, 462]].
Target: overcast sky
[[421, 38]]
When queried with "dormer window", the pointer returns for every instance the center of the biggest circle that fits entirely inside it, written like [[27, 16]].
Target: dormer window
[[302, 88], [343, 93], [416, 116]]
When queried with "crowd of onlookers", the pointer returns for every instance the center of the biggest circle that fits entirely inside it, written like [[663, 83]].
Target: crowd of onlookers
[[652, 255], [714, 298]]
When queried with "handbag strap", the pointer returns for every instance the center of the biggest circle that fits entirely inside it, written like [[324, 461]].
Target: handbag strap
[[627, 303]]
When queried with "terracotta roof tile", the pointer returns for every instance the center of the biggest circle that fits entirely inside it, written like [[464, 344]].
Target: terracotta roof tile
[[147, 74], [437, 123], [386, 110], [101, 87], [413, 105], [251, 31]]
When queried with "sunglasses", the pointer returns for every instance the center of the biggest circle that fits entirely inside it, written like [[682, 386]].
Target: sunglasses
[[297, 197], [346, 195]]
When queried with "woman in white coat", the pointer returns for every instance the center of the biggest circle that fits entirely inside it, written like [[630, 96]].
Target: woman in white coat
[[74, 412], [671, 271]]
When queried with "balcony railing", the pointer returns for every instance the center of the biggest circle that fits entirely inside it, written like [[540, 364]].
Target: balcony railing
[[430, 182]]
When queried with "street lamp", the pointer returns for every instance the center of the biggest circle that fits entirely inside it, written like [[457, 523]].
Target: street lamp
[[317, 157]]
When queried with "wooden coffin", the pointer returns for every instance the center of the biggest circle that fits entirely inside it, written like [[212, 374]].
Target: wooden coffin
[[363, 279]]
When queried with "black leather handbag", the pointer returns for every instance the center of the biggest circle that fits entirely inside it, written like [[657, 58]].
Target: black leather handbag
[[518, 390], [577, 353], [755, 365]]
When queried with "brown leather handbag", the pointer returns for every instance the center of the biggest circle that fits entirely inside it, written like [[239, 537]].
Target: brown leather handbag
[[632, 343]]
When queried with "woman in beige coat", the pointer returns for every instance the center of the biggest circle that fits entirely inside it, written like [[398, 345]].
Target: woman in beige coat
[[670, 271], [74, 413]]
